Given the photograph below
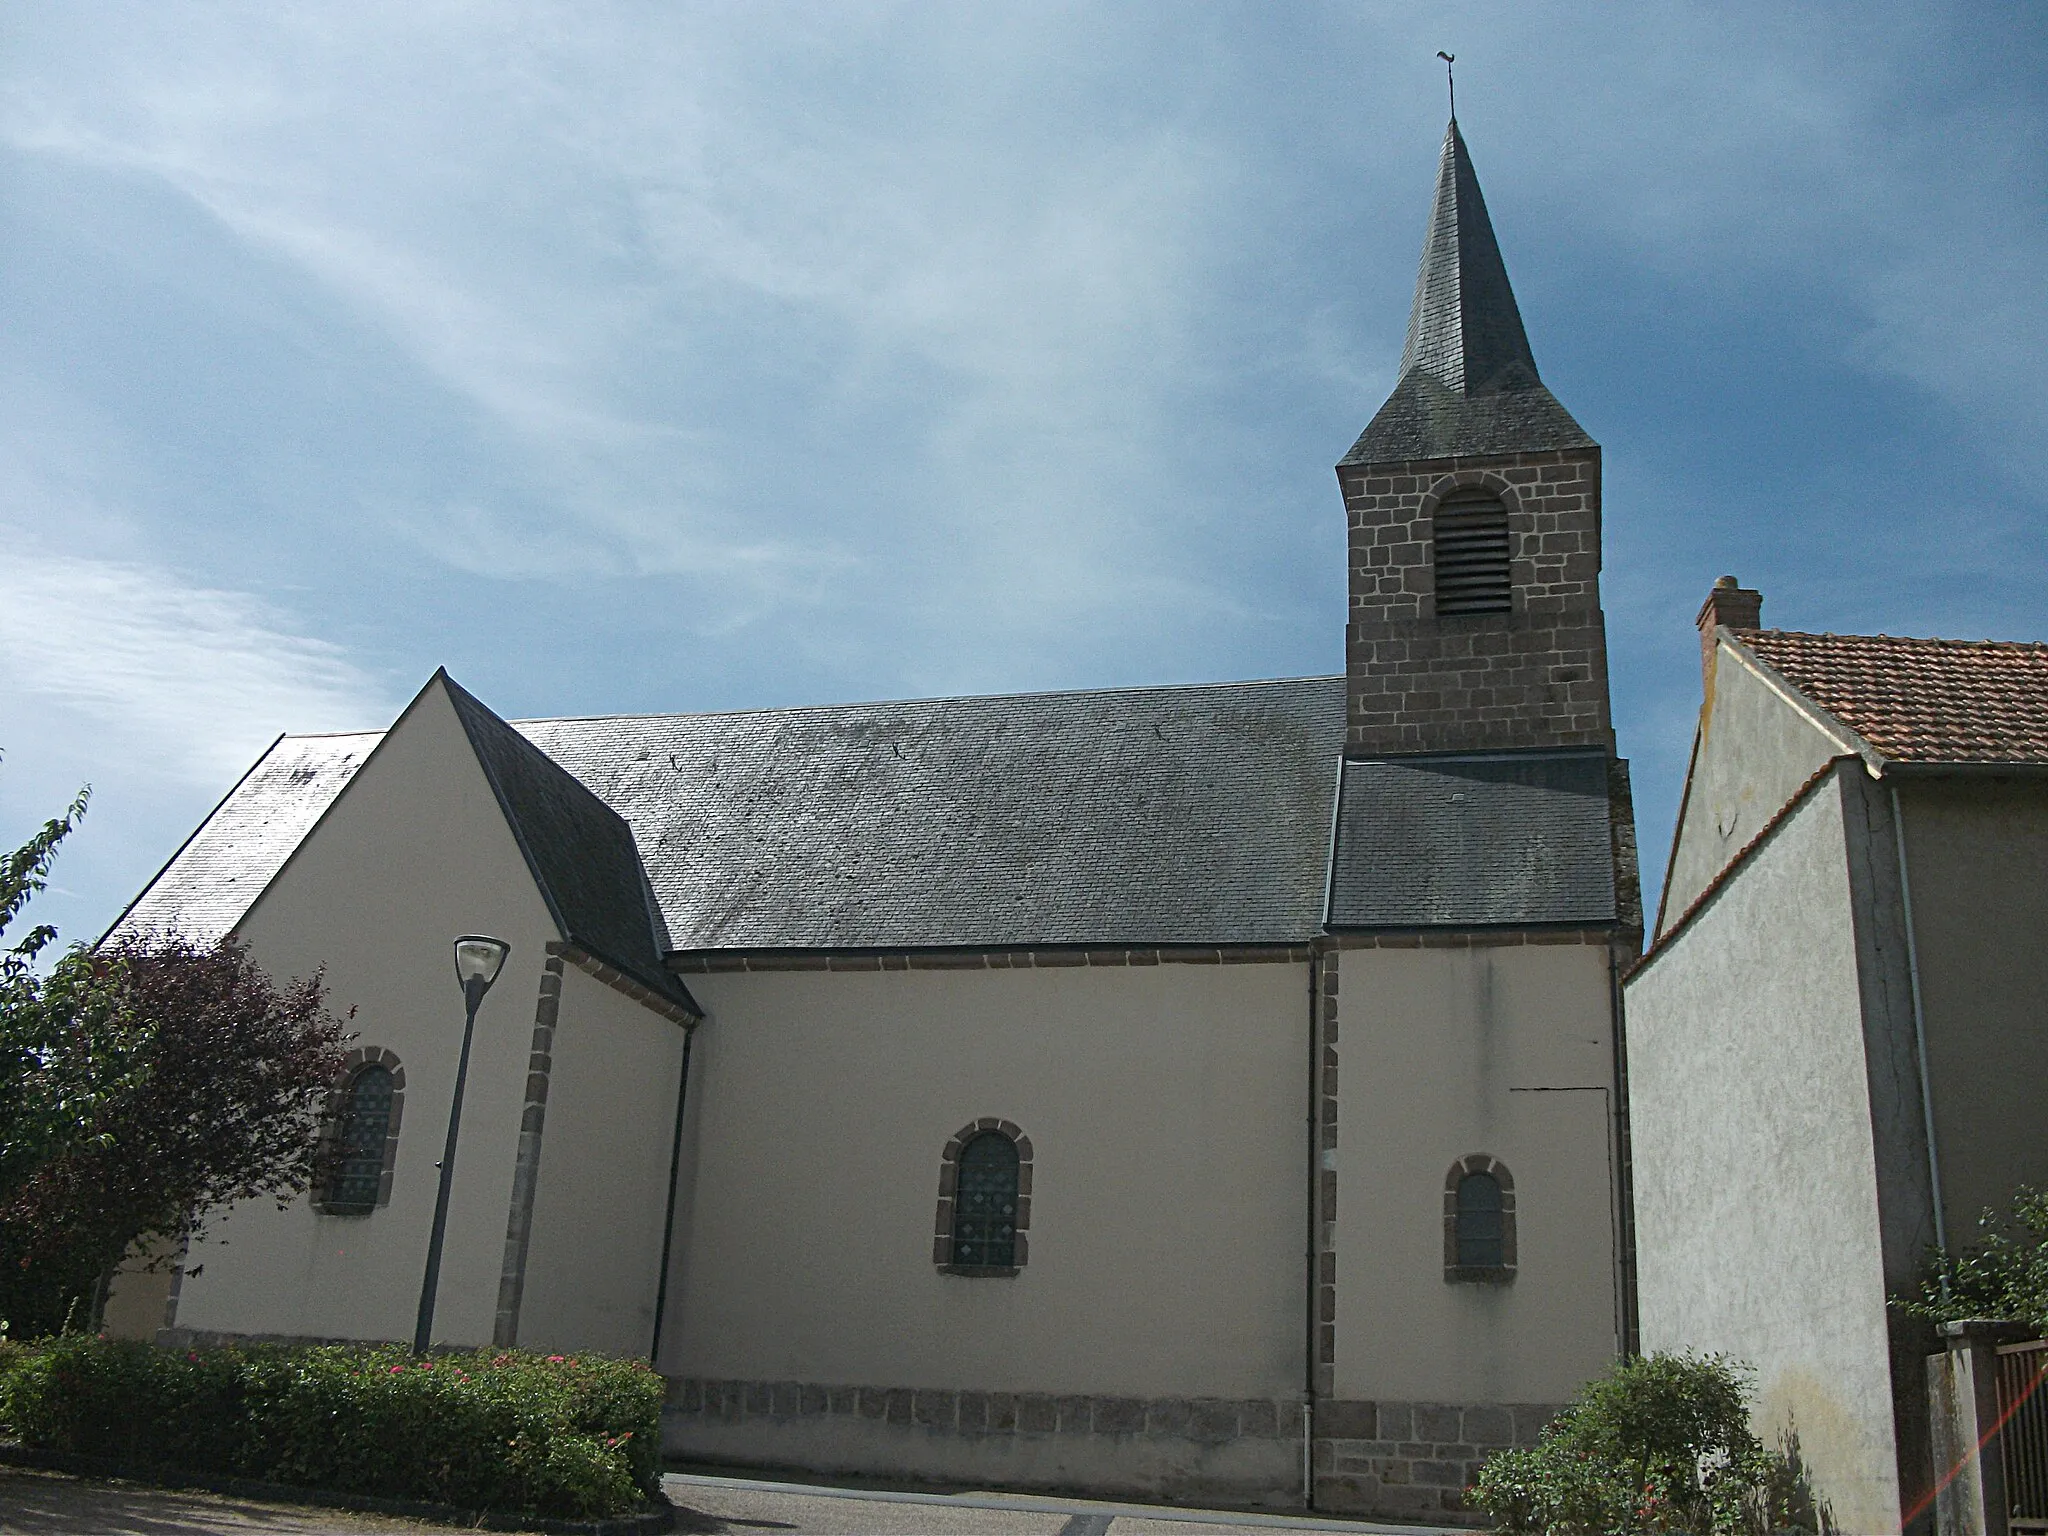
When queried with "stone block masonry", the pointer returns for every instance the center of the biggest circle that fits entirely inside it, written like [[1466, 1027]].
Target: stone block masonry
[[1396, 1460], [1535, 676], [1245, 1451], [1414, 1461]]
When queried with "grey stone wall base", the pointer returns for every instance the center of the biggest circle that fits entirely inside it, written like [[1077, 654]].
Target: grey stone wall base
[[214, 1338], [1187, 1450], [1406, 1460], [647, 1523]]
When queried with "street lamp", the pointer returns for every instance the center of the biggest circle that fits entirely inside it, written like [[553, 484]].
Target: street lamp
[[477, 962]]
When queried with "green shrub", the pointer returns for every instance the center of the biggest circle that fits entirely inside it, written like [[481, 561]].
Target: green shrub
[[1658, 1444], [2003, 1274], [497, 1429]]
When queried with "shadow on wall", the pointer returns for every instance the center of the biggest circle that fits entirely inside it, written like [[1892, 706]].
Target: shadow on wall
[[1791, 1489]]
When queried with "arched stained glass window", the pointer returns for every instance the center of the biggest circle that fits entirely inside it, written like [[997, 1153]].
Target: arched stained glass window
[[1480, 1227], [985, 1203], [362, 1128], [1479, 1220]]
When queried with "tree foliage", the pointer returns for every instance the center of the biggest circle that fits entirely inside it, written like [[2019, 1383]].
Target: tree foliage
[[2004, 1274], [142, 1086], [1660, 1443]]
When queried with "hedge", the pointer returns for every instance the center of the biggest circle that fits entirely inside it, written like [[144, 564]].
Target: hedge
[[504, 1430]]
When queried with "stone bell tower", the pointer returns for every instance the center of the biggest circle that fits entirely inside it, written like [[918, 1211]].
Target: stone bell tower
[[1474, 507]]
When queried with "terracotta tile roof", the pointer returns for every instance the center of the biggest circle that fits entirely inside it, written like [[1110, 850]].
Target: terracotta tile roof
[[1930, 701]]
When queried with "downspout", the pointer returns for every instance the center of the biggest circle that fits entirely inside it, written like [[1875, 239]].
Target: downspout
[[1624, 1149], [1920, 1037], [675, 1169], [1308, 1311]]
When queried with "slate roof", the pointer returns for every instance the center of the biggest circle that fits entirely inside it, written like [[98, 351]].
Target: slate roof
[[1515, 839], [1141, 816], [1468, 377], [1424, 420], [212, 881], [580, 850], [1926, 701]]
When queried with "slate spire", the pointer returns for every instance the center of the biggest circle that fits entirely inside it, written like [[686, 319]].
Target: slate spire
[[1465, 330], [1468, 385]]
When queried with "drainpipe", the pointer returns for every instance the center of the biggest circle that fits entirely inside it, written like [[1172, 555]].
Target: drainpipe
[[1920, 1036], [675, 1169], [1308, 1357]]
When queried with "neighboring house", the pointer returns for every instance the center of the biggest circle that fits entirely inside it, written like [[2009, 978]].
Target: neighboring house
[[1837, 1043], [954, 1088]]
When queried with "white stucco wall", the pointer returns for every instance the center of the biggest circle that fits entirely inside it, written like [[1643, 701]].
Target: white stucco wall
[[1754, 751], [594, 1257], [1166, 1107], [414, 852], [1443, 1053], [1757, 1217]]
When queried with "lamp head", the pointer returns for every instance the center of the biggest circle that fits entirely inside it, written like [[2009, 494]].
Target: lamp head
[[478, 960]]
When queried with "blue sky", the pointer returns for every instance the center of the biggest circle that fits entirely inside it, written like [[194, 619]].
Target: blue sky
[[634, 358]]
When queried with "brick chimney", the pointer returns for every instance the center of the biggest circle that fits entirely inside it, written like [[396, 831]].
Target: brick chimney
[[1729, 605]]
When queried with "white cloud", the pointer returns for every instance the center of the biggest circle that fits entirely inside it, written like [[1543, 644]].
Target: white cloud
[[181, 681]]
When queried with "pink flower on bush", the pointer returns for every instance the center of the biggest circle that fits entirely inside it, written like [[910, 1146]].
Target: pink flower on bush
[[554, 1359]]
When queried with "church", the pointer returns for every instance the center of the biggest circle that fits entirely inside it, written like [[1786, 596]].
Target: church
[[1205, 1093]]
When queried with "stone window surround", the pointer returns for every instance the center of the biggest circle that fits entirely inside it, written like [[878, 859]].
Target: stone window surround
[[351, 1065], [949, 1173], [1483, 1274]]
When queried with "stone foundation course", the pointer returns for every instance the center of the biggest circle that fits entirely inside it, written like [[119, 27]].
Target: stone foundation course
[[1229, 1450], [1414, 1460]]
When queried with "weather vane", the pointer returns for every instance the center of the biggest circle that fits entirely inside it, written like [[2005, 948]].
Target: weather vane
[[1450, 80]]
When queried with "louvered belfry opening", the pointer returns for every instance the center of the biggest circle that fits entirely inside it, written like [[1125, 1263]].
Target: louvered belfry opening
[[1470, 535]]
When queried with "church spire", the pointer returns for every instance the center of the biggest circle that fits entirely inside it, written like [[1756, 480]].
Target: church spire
[[1468, 383], [1473, 501], [1465, 330]]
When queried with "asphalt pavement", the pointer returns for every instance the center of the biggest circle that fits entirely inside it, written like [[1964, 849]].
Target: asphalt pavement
[[56, 1504]]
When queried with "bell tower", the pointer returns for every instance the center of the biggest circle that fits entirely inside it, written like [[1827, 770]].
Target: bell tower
[[1473, 500]]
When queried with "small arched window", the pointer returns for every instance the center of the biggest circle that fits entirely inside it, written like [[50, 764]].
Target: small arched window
[[984, 1200], [363, 1135], [1469, 538], [1479, 1220]]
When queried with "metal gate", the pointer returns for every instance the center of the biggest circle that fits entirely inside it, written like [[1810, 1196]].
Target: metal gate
[[2023, 1432]]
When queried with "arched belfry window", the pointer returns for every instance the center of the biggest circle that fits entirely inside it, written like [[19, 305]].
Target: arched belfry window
[[1469, 538], [1479, 1220], [361, 1136], [984, 1200]]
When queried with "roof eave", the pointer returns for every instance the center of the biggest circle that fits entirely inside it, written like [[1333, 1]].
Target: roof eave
[[1973, 768]]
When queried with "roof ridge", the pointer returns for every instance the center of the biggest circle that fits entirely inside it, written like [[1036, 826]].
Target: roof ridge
[[1808, 634], [935, 698]]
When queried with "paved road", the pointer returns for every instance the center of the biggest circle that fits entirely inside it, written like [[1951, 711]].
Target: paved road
[[717, 1505], [50, 1504]]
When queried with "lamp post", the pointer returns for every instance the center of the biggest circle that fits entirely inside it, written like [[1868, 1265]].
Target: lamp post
[[477, 962]]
